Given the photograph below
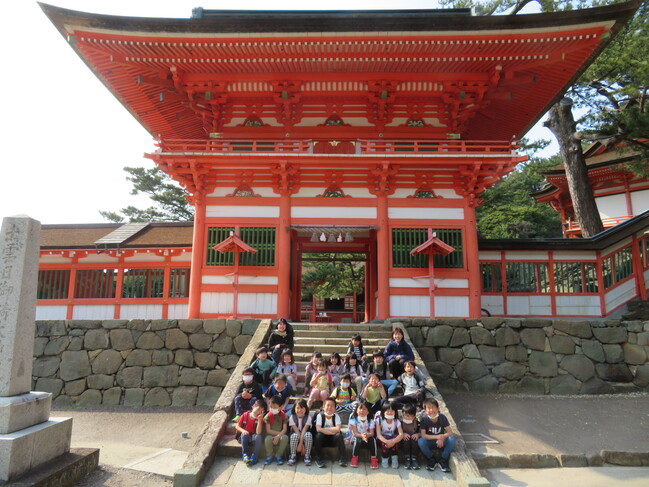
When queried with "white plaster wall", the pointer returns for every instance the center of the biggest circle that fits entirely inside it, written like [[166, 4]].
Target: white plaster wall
[[263, 280], [452, 306], [308, 192], [578, 305], [620, 295], [242, 212], [140, 311], [343, 212], [409, 306], [494, 304], [217, 302], [94, 258], [182, 257], [618, 245], [489, 255], [640, 201], [574, 256], [54, 259], [177, 311], [426, 213], [57, 312], [258, 303], [93, 312], [145, 256], [611, 206], [423, 283], [529, 305], [514, 255]]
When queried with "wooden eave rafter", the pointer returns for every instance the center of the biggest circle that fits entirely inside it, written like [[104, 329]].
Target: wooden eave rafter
[[528, 60]]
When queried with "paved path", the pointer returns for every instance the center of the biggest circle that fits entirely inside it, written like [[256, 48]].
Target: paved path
[[570, 477], [231, 471]]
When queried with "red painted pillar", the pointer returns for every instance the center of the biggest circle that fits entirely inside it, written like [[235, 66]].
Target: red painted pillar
[[638, 271], [472, 261], [383, 258], [284, 257], [199, 245]]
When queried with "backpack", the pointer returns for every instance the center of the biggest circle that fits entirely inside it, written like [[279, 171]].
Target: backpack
[[323, 418], [237, 435]]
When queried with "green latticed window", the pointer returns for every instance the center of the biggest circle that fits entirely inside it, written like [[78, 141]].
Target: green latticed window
[[260, 238], [53, 284], [143, 283], [95, 283], [575, 277], [406, 239], [527, 277], [617, 267], [491, 277], [179, 283]]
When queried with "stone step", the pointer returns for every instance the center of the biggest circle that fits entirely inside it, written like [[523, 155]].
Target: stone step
[[327, 350], [337, 334], [367, 342], [348, 327]]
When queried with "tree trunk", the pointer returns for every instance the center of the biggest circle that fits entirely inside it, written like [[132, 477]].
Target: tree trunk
[[562, 124]]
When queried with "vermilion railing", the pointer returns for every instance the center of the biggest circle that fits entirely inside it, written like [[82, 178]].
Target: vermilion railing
[[364, 147], [571, 227]]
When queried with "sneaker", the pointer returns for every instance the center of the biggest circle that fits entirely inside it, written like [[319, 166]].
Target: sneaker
[[395, 461], [245, 459], [269, 460], [443, 463], [235, 419], [354, 463], [307, 461], [342, 462], [385, 463], [374, 462], [414, 464], [291, 460], [280, 461], [406, 463], [431, 465], [253, 461], [320, 463]]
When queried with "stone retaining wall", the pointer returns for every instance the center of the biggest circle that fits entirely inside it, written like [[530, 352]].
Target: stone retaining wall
[[137, 362], [535, 356]]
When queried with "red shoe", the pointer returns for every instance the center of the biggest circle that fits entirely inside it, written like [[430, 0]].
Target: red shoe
[[354, 462], [374, 463]]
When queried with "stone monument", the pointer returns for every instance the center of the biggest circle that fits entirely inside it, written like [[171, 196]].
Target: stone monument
[[28, 436]]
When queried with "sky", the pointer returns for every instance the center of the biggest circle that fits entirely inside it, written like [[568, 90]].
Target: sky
[[65, 138]]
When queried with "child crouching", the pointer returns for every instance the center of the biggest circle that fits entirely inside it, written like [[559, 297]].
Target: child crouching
[[248, 429]]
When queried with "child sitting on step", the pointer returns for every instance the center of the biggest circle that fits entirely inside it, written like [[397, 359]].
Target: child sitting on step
[[276, 439], [249, 427], [413, 385], [389, 433], [310, 369], [361, 431], [301, 439], [344, 395], [336, 367], [287, 367], [281, 388], [264, 367], [374, 394], [248, 392], [410, 427], [321, 384], [353, 368]]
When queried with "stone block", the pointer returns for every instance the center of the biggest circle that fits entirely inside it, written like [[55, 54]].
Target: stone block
[[161, 376], [470, 370], [581, 329], [240, 343], [516, 353], [76, 344], [63, 403], [114, 324], [470, 351], [611, 334], [634, 326], [133, 397], [89, 397], [564, 385], [74, 365], [56, 346], [200, 341], [614, 353], [249, 326], [427, 354], [562, 344], [593, 350], [439, 336], [219, 377], [543, 364], [480, 336], [228, 361], [23, 410], [485, 384], [533, 338], [107, 362], [595, 386], [139, 357], [450, 356], [112, 396], [162, 357], [626, 458], [100, 381], [578, 366], [526, 460], [121, 339], [223, 344], [642, 376], [614, 372], [185, 358], [149, 341], [157, 325], [176, 339], [415, 336], [39, 345], [491, 323], [205, 360], [139, 325], [492, 355], [129, 377], [184, 396], [634, 354], [53, 386], [45, 366], [643, 339], [49, 328], [157, 396], [233, 328], [191, 326], [192, 377], [506, 336], [75, 387], [531, 385], [208, 395], [460, 337], [509, 370], [214, 327], [454, 322], [439, 370], [536, 323], [96, 339], [84, 324], [573, 461]]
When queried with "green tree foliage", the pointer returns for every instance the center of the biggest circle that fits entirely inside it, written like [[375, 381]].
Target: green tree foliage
[[170, 199], [336, 276]]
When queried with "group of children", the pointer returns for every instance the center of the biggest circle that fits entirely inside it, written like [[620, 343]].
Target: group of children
[[383, 425]]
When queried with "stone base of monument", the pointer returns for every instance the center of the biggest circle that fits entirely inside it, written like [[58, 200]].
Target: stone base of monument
[[64, 471], [24, 410], [28, 448]]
